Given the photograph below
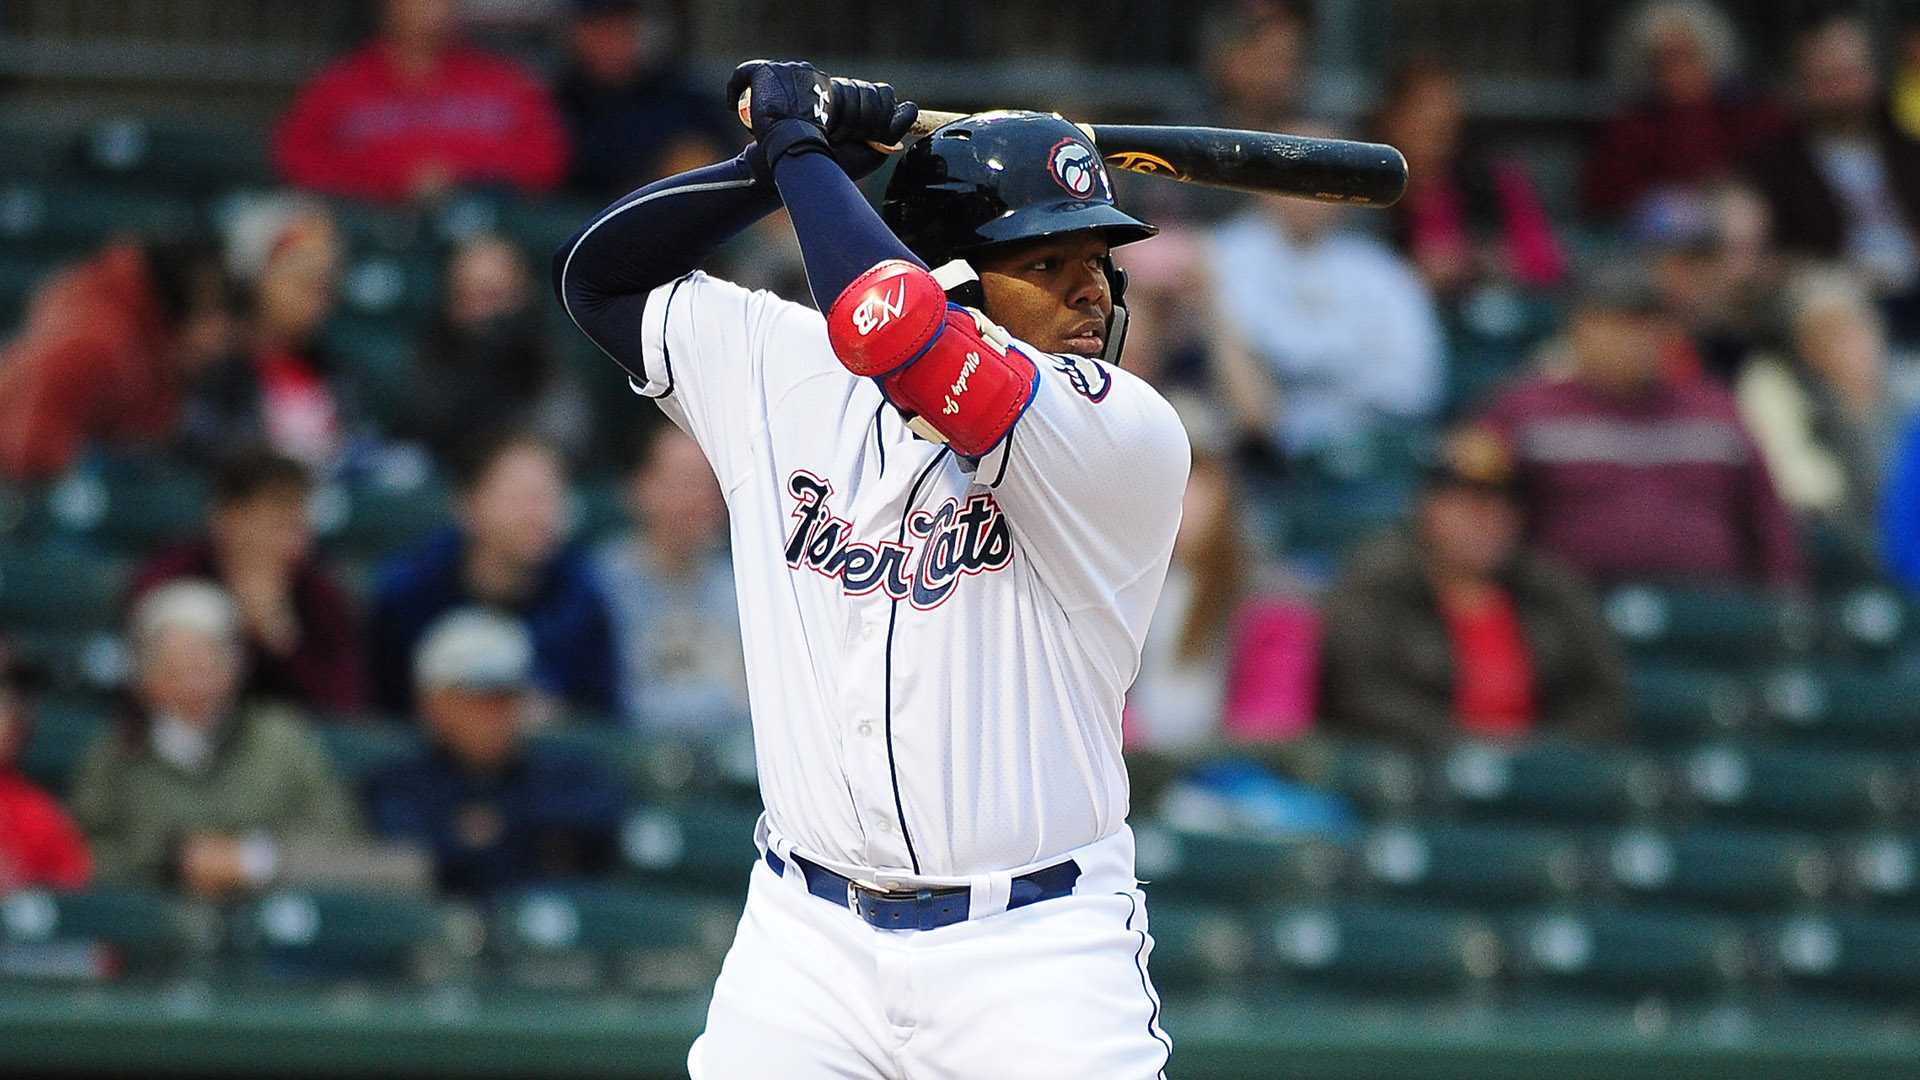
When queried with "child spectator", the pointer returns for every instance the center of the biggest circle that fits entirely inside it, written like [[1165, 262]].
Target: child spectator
[[40, 847], [303, 642], [506, 549], [416, 114], [495, 812]]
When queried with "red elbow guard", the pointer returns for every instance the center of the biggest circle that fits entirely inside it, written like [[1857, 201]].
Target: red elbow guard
[[936, 360]]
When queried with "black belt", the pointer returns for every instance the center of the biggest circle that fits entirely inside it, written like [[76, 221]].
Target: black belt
[[923, 909]]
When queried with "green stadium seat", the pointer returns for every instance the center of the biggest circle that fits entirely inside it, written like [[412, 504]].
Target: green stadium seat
[[709, 846], [1559, 782], [1332, 517], [541, 227], [1682, 705], [378, 227], [373, 521], [1379, 950], [1870, 620], [1238, 869], [329, 935], [143, 506], [1612, 950], [378, 353], [1881, 868], [187, 161], [1197, 945], [1483, 865], [1734, 869], [361, 750], [1382, 780], [65, 217], [1721, 628], [1857, 955], [66, 729], [1813, 787], [1845, 704], [587, 937], [395, 290], [103, 933], [50, 588]]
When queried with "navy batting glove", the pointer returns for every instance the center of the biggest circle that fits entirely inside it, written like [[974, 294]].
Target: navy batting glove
[[790, 105], [863, 113]]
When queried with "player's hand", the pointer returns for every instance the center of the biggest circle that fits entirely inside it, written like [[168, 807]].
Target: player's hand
[[789, 105], [866, 113]]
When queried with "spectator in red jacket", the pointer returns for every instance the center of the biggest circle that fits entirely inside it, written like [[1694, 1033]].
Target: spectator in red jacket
[[39, 844], [1688, 121], [1628, 473], [416, 114], [304, 645], [106, 351]]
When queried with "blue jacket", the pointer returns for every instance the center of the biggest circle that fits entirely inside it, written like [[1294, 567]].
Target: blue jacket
[[551, 815], [1900, 511], [567, 618]]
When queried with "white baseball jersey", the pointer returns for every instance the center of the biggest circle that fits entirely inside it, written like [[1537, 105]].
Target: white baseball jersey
[[937, 649]]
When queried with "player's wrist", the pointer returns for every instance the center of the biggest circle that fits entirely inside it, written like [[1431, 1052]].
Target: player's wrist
[[792, 136]]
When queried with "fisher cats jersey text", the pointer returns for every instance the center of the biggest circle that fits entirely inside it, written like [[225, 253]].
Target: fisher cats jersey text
[[943, 545]]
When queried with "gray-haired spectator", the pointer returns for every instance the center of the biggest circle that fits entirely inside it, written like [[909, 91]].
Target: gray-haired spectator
[[199, 791], [495, 811]]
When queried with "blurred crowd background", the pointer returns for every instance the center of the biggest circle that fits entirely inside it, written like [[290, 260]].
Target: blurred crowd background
[[1543, 633]]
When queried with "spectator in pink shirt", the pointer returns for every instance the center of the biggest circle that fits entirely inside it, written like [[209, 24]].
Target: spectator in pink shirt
[[415, 114]]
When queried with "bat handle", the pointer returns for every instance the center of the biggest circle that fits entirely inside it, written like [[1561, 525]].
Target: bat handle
[[744, 107]]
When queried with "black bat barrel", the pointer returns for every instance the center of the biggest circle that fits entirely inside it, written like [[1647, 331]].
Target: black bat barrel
[[1335, 170]]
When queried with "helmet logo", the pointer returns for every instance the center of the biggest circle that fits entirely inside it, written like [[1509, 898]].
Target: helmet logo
[[1074, 167]]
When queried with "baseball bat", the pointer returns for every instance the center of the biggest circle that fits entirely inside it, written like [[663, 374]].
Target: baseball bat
[[1265, 162]]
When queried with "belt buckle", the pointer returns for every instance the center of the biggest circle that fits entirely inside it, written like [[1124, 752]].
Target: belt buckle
[[854, 887]]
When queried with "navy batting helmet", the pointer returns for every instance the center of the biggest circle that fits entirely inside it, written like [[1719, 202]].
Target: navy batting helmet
[[997, 177]]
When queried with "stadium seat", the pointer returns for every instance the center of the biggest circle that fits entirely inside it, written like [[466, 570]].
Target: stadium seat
[[1734, 869], [297, 934], [1870, 620], [1375, 949], [1197, 945], [1382, 780], [1332, 517], [1811, 787], [143, 505], [378, 353], [66, 729], [372, 521], [49, 588], [103, 933], [710, 846], [1235, 869], [361, 750], [1672, 705], [1484, 865], [1720, 628], [68, 217], [1858, 955], [1614, 950], [585, 937], [1558, 782], [182, 160], [1881, 868], [1840, 703]]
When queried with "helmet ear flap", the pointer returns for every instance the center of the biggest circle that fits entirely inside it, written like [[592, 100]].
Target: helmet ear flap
[[962, 283]]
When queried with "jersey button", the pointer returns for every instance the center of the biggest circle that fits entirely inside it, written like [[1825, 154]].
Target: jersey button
[[865, 729], [866, 632]]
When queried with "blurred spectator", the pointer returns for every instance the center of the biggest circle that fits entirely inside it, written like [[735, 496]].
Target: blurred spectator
[[1904, 94], [505, 549], [1843, 181], [1467, 218], [1689, 119], [1253, 55], [1715, 273], [1451, 630], [1345, 335], [1900, 510], [106, 351], [200, 791], [303, 643], [285, 253], [495, 812], [1627, 472], [676, 624], [40, 847], [633, 115], [415, 114], [486, 353], [1818, 408]]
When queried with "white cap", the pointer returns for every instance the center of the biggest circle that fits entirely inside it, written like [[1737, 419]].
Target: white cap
[[474, 649]]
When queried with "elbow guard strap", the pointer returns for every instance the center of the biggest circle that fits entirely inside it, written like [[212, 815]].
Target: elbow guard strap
[[945, 364]]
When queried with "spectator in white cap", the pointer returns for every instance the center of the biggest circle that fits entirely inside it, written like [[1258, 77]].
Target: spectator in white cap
[[214, 795], [496, 811]]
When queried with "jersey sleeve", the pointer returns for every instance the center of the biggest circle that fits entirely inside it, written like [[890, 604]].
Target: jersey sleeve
[[1091, 480]]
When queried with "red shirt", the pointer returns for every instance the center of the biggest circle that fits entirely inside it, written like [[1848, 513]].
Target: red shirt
[[1493, 672], [364, 128], [39, 845]]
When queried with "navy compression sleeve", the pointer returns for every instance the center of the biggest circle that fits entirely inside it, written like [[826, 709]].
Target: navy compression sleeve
[[603, 274], [840, 235]]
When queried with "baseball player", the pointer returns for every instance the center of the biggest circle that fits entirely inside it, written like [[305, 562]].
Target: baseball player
[[951, 515]]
